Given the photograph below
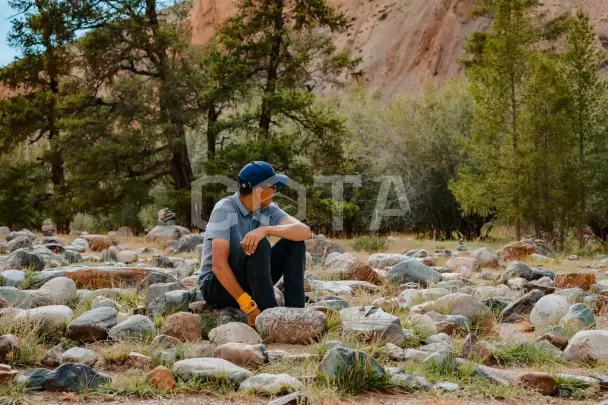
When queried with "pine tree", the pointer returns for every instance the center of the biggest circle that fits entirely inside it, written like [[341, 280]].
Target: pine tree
[[40, 79], [493, 181], [547, 128], [276, 41], [146, 42], [581, 62]]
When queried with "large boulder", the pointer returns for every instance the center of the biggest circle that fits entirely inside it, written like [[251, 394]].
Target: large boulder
[[579, 317], [487, 291], [171, 302], [410, 297], [478, 314], [455, 263], [154, 291], [97, 277], [543, 383], [574, 295], [19, 242], [98, 243], [79, 355], [49, 318], [234, 332], [290, 325], [188, 243], [209, 369], [242, 354], [134, 327], [13, 278], [413, 272], [26, 299], [74, 378], [518, 270], [588, 345], [166, 232], [127, 256], [575, 280], [22, 259], [93, 325], [24, 232], [549, 310], [183, 326], [270, 384], [347, 267], [517, 250], [33, 379], [485, 257], [10, 346], [62, 289], [319, 248], [385, 260], [372, 323], [520, 308]]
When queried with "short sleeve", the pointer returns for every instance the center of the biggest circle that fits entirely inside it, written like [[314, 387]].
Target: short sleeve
[[221, 220], [276, 214]]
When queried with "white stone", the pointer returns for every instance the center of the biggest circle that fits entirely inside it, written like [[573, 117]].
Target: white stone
[[549, 310], [270, 384], [62, 289], [210, 368], [49, 318], [588, 345]]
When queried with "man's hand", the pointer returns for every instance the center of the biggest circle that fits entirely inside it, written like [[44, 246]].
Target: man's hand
[[252, 316], [251, 240]]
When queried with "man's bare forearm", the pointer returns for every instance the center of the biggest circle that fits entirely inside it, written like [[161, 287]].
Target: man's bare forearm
[[226, 277], [294, 232]]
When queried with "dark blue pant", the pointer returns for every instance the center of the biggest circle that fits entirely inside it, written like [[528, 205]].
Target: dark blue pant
[[258, 273]]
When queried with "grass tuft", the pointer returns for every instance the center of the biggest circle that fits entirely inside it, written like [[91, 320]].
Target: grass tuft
[[578, 389], [525, 354], [369, 244], [333, 324], [360, 377]]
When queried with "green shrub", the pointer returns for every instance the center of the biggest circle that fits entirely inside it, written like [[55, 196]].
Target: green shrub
[[361, 377], [524, 354], [370, 244]]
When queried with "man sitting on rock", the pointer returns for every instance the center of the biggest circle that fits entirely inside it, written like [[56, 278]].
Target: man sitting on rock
[[239, 266]]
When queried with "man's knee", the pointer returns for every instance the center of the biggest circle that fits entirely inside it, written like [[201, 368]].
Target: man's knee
[[294, 246], [263, 246]]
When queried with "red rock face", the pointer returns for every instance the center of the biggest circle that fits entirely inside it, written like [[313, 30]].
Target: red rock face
[[403, 43], [94, 278], [575, 280]]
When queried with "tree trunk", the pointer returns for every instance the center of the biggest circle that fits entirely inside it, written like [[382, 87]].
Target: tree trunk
[[55, 157], [582, 173], [212, 116], [516, 199], [272, 71], [180, 167]]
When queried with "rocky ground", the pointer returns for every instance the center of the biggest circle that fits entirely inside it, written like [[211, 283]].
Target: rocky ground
[[118, 319]]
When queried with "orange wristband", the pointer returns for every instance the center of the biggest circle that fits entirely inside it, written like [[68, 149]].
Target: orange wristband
[[246, 303]]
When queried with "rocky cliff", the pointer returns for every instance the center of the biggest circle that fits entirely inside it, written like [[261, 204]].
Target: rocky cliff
[[404, 42]]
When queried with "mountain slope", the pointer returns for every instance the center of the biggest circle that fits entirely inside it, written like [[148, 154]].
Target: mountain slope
[[404, 42]]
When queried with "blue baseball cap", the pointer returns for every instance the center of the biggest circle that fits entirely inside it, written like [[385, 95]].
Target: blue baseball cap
[[259, 174]]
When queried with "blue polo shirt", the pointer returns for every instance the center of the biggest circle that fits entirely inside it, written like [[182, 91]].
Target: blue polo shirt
[[230, 220]]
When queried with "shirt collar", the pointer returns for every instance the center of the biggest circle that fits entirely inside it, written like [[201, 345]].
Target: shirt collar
[[256, 214], [240, 205]]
